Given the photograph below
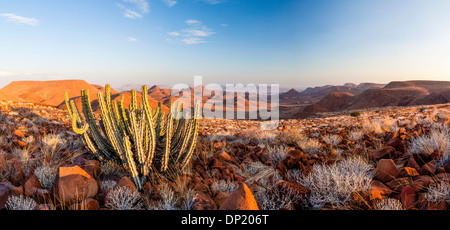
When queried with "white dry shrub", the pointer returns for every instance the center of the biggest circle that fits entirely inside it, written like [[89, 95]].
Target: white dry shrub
[[277, 153], [46, 175], [53, 141], [356, 135], [29, 140], [123, 198], [262, 136], [259, 172], [108, 185], [388, 204], [291, 136], [223, 186], [380, 125], [25, 158], [274, 199], [335, 183], [438, 139], [333, 140], [20, 203], [169, 199], [188, 199], [439, 192], [310, 146]]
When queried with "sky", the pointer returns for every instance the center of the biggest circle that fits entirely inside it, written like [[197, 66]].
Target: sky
[[293, 43]]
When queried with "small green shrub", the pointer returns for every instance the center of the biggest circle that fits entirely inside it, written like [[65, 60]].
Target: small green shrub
[[355, 114]]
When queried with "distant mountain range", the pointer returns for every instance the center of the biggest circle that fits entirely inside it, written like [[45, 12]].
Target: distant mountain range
[[293, 104]]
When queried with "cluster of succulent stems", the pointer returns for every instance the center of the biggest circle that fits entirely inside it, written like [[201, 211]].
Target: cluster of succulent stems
[[145, 141]]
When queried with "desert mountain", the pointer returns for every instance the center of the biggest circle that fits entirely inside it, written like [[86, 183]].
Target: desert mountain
[[322, 91], [46, 92], [405, 93]]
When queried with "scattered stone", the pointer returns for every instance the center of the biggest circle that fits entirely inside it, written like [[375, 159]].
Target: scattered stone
[[408, 197], [386, 170], [241, 199], [75, 184], [203, 202], [408, 172]]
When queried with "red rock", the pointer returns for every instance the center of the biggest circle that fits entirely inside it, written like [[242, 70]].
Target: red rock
[[398, 184], [282, 167], [17, 178], [421, 158], [75, 184], [218, 145], [203, 202], [413, 164], [408, 197], [292, 158], [7, 189], [295, 190], [126, 182], [386, 152], [381, 188], [220, 198], [32, 185], [397, 144], [224, 156], [408, 172], [386, 170], [428, 168], [362, 197], [421, 183], [19, 133], [241, 199], [442, 205], [436, 155], [21, 144]]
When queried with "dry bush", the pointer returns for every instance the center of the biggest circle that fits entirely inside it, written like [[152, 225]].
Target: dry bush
[[20, 203], [438, 192], [388, 204], [46, 175], [438, 139], [123, 198], [223, 186], [277, 153], [333, 184], [333, 140], [310, 146]]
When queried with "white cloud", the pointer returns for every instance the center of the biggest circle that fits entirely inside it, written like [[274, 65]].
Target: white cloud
[[193, 41], [170, 3], [131, 14], [134, 8], [174, 33], [214, 2], [194, 34], [131, 39], [193, 22], [20, 20], [204, 32], [224, 25], [141, 5]]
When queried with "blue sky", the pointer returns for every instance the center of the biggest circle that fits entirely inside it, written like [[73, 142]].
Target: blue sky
[[294, 43]]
